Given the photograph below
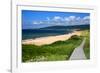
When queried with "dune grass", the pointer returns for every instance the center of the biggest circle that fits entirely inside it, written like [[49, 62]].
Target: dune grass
[[86, 34], [57, 51]]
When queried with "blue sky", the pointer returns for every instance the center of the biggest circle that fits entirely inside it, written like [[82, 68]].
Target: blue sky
[[39, 19]]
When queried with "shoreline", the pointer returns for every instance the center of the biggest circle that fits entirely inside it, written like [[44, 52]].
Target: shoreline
[[50, 39]]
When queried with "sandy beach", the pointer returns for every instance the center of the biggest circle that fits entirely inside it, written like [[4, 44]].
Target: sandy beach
[[50, 39]]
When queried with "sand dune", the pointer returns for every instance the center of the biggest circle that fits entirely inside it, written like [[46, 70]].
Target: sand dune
[[50, 39]]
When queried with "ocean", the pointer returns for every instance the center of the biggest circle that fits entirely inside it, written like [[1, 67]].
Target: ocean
[[34, 33], [50, 31]]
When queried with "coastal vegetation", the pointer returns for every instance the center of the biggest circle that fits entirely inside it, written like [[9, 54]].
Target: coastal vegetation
[[86, 34], [57, 51]]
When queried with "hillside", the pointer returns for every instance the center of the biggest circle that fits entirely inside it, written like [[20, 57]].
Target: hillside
[[80, 27]]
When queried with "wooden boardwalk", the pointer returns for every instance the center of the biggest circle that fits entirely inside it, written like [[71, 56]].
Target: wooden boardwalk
[[78, 53]]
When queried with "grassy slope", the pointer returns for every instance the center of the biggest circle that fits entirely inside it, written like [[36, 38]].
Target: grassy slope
[[86, 34], [57, 51]]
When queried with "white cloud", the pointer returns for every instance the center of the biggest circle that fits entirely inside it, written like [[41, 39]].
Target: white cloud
[[74, 20], [37, 22], [71, 20], [34, 22], [48, 19], [57, 18], [40, 22], [78, 18], [86, 20], [66, 19], [86, 17]]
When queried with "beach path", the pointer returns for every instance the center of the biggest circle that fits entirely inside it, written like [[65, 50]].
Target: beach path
[[78, 53]]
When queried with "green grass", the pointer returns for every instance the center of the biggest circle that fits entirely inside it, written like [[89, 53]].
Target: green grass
[[57, 51], [86, 34]]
